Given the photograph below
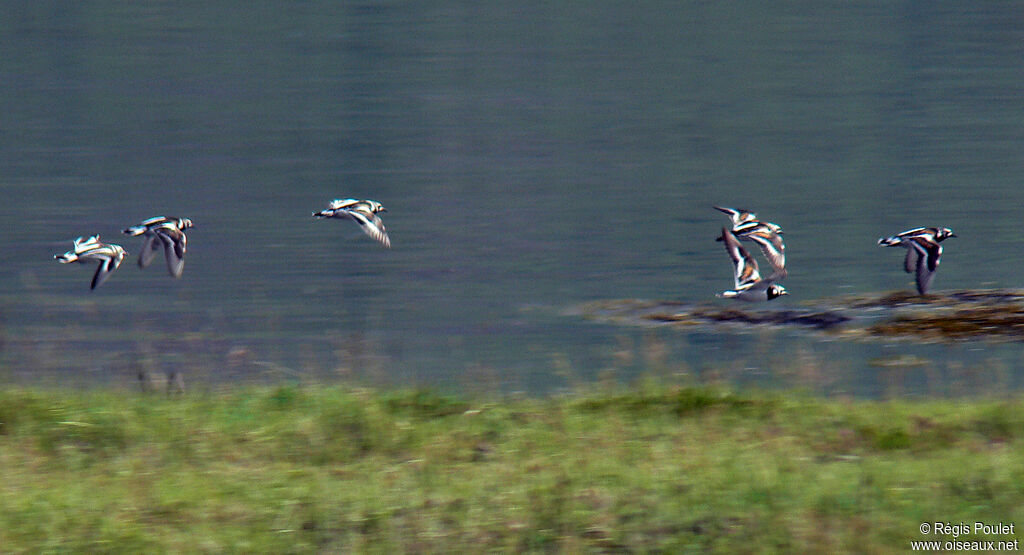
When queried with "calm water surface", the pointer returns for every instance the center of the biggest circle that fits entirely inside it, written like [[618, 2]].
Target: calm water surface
[[532, 157]]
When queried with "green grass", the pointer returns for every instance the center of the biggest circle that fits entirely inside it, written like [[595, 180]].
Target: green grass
[[650, 469]]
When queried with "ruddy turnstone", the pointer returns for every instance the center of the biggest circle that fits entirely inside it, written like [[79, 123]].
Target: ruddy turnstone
[[87, 250], [168, 233], [749, 286], [923, 251], [363, 212], [767, 235]]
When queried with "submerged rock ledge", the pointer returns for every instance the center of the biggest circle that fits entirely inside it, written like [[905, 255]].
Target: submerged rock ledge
[[992, 321], [943, 316], [640, 311]]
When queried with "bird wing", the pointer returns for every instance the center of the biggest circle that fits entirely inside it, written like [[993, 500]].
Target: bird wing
[[737, 216], [928, 254], [174, 248], [342, 203], [910, 262], [149, 246], [154, 221], [916, 232], [82, 246], [372, 226], [746, 273], [771, 245], [924, 276], [929, 250], [103, 271]]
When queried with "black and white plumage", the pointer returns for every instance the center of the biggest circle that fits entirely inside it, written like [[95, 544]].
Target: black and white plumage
[[748, 284], [767, 235], [88, 250], [363, 212], [168, 233], [923, 252], [737, 215]]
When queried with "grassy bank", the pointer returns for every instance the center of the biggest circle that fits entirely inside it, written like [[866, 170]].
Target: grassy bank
[[653, 469]]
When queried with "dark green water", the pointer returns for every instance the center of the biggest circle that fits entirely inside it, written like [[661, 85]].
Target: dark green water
[[532, 155]]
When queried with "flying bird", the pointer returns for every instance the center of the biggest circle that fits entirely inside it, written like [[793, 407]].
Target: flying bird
[[748, 284], [767, 235], [363, 212], [88, 250], [168, 233], [923, 252]]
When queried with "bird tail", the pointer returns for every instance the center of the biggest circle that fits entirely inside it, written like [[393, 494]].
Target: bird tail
[[134, 230]]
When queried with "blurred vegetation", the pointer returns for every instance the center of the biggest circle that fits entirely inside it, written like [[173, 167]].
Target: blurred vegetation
[[651, 468]]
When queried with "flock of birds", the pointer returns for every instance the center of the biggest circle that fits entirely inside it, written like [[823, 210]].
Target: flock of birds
[[922, 243], [169, 234], [923, 247]]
